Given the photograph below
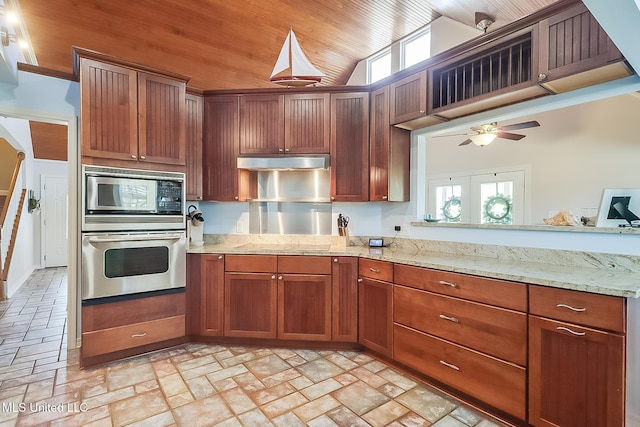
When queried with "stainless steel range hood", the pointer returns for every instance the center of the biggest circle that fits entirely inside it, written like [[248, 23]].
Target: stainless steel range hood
[[284, 163]]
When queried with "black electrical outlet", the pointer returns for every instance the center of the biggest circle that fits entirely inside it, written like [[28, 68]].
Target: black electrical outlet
[[397, 228]]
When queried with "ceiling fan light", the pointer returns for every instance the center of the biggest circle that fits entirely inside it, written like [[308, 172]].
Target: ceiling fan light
[[483, 139]]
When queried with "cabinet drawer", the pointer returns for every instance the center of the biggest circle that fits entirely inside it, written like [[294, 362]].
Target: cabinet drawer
[[123, 337], [373, 269], [297, 264], [490, 291], [251, 263], [583, 308], [492, 330], [499, 384]]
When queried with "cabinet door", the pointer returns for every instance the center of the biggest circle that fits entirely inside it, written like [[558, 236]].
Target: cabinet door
[[194, 113], [345, 299], [304, 307], [109, 110], [212, 295], [161, 130], [376, 315], [350, 147], [261, 124], [408, 98], [572, 42], [307, 123], [389, 155], [221, 180], [251, 301], [576, 375]]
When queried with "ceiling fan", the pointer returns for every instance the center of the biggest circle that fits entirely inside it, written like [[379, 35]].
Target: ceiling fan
[[485, 134]]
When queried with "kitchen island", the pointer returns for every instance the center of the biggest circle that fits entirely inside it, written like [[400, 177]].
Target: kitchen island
[[510, 329]]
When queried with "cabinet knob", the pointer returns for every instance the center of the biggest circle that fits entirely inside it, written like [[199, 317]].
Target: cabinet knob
[[286, 149], [280, 150], [237, 198], [273, 276], [335, 260], [422, 111], [542, 77], [133, 156], [359, 279], [333, 198], [220, 257], [143, 157], [385, 197], [198, 197], [279, 277]]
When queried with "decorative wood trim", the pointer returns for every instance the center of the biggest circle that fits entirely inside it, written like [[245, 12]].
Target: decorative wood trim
[[47, 72]]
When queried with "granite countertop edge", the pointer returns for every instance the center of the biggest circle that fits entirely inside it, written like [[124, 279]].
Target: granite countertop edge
[[599, 281]]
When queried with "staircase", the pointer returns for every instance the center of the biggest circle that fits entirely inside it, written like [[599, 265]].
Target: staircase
[[5, 205]]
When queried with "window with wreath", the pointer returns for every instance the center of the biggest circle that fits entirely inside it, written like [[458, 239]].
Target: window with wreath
[[477, 198]]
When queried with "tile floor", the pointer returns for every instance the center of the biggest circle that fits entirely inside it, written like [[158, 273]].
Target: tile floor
[[197, 384]]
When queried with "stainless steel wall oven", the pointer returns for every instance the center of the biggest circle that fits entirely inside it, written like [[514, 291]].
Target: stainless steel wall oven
[[133, 232]]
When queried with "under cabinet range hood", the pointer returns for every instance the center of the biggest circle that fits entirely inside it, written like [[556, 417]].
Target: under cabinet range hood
[[284, 163]]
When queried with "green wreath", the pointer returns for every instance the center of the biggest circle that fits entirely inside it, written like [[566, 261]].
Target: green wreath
[[497, 209], [452, 209]]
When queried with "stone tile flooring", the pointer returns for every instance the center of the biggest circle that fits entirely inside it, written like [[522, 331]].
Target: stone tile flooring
[[197, 384]]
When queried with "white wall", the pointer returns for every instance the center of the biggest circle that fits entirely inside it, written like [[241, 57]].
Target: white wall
[[22, 261], [445, 34]]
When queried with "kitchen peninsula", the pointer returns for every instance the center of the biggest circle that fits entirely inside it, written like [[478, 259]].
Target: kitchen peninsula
[[441, 310]]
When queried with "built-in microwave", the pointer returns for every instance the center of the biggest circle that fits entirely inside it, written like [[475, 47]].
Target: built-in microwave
[[118, 199]]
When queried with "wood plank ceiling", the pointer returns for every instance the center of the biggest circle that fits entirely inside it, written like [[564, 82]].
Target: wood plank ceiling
[[225, 44]]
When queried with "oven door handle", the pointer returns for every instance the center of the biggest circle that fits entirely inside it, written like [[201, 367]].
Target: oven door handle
[[132, 239]]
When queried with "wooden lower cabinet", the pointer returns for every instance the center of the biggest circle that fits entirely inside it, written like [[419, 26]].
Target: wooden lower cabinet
[[375, 315], [123, 325], [211, 299], [576, 375], [250, 305], [344, 272], [304, 307], [495, 382]]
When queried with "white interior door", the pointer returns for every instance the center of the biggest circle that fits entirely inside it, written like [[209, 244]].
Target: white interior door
[[55, 229]]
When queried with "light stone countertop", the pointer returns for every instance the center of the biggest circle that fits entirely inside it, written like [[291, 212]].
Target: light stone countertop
[[611, 275]]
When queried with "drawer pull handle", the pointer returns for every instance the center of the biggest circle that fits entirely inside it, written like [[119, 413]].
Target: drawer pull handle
[[144, 334], [571, 308], [374, 270], [450, 319], [449, 365], [443, 282], [562, 328]]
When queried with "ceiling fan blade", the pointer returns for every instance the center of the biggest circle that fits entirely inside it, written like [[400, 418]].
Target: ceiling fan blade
[[467, 142], [523, 125], [454, 134], [511, 136]]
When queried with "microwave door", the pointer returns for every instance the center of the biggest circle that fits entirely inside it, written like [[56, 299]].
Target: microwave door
[[106, 194]]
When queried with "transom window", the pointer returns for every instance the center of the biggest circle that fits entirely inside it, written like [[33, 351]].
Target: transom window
[[379, 66], [416, 48]]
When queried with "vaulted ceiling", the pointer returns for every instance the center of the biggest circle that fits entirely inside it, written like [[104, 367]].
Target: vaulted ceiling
[[226, 44]]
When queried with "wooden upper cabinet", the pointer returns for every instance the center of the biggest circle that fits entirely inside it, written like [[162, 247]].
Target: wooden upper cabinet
[[576, 52], [307, 123], [350, 147], [261, 124], [161, 125], [389, 156], [221, 180], [194, 111], [108, 110], [408, 98], [130, 114], [502, 72]]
